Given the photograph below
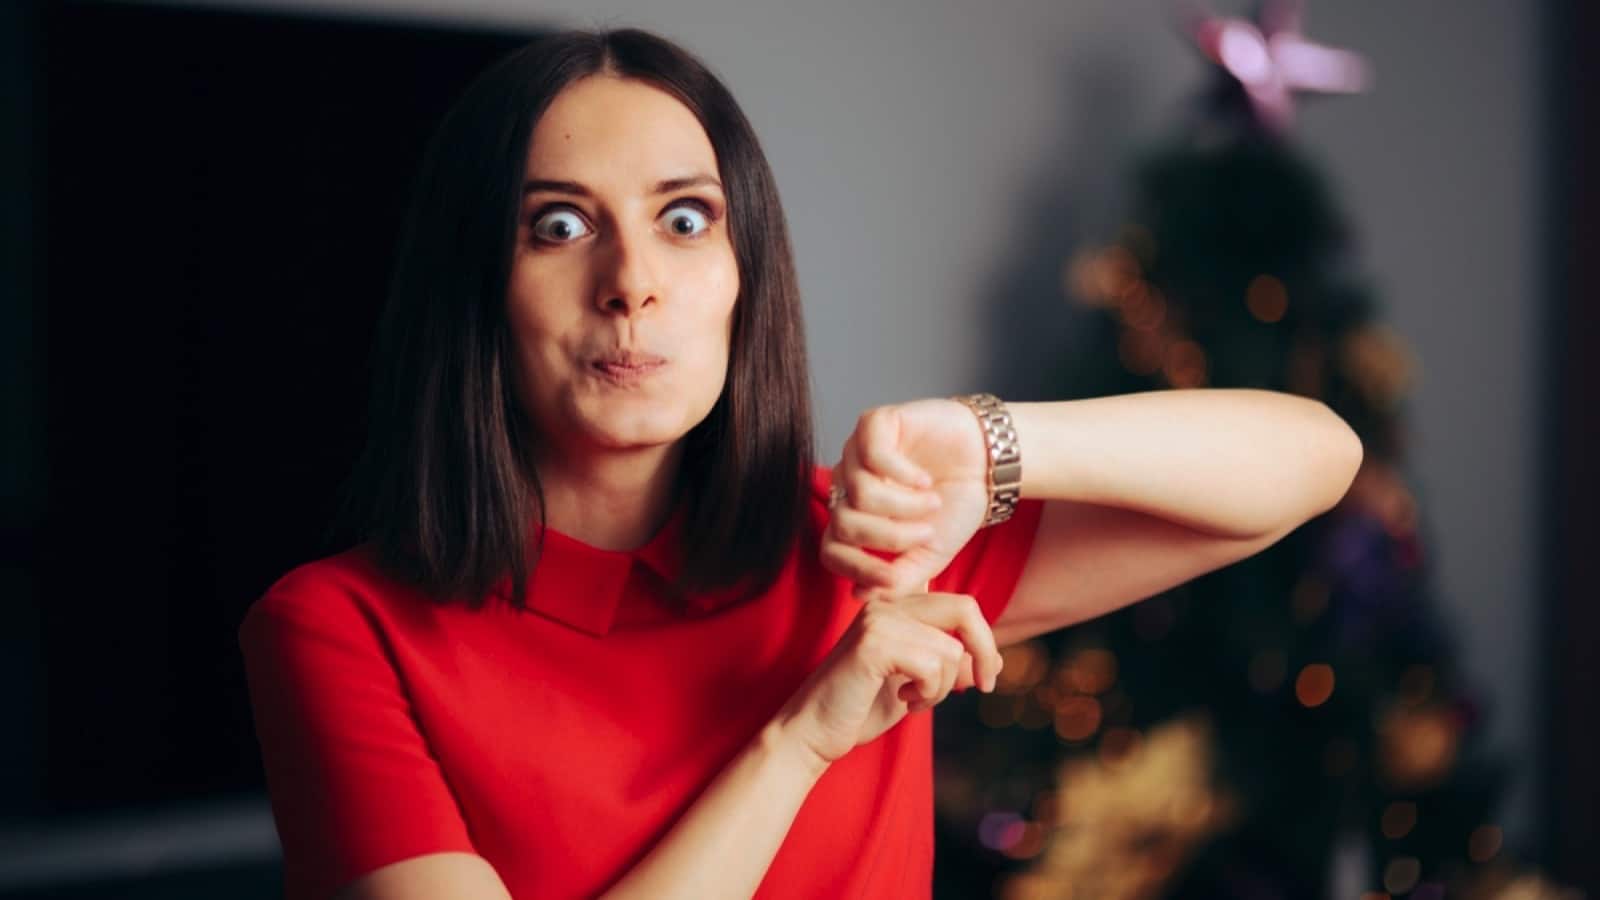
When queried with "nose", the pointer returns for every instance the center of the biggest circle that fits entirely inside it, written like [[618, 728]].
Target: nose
[[628, 281]]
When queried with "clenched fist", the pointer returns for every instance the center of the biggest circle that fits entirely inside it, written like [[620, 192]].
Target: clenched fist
[[912, 482]]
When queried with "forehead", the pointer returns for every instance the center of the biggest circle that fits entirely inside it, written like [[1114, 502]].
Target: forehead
[[608, 128]]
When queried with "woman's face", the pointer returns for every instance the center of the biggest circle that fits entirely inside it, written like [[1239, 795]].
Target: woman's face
[[624, 279]]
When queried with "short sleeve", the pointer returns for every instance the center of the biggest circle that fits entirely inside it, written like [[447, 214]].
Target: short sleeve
[[991, 563], [353, 785]]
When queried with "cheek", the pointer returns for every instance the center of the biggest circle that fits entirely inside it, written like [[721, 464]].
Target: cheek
[[701, 325], [542, 293], [540, 330], [532, 335], [716, 295]]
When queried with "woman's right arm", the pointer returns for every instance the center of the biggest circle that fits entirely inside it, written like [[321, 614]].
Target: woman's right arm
[[720, 848], [897, 656]]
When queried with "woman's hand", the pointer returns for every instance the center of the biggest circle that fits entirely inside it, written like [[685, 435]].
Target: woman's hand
[[915, 488], [897, 656]]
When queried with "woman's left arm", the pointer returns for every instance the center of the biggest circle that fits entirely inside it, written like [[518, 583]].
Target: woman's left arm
[[1143, 492]]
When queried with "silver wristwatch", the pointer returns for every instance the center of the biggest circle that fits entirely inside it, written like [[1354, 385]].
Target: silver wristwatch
[[1005, 457]]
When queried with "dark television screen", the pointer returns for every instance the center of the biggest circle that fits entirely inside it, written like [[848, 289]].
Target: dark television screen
[[215, 198]]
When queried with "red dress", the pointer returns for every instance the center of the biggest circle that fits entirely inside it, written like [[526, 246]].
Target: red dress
[[561, 743]]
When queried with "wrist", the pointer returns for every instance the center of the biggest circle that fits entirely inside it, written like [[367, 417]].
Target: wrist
[[780, 740], [1025, 419]]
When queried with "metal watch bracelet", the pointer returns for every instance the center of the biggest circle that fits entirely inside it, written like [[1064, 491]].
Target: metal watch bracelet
[[1005, 456]]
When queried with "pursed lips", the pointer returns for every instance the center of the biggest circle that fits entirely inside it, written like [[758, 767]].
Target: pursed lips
[[627, 366]]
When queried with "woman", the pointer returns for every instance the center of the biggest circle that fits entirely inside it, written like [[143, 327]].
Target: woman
[[611, 633]]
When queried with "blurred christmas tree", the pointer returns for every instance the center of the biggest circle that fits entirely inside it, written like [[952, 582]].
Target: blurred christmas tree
[[1224, 738]]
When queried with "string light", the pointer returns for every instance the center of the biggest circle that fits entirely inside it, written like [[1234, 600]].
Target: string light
[[1077, 718], [1151, 341], [1000, 830], [1185, 364], [1119, 271], [1100, 277], [1417, 745], [1022, 667], [1143, 307], [1266, 298], [1092, 670], [1314, 685], [1078, 279]]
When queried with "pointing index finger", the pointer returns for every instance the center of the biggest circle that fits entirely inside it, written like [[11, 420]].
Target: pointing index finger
[[959, 613]]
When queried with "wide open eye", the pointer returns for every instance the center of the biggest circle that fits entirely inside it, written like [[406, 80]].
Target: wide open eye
[[687, 218], [559, 225]]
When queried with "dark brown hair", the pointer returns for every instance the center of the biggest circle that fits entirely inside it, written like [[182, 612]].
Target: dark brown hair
[[445, 489]]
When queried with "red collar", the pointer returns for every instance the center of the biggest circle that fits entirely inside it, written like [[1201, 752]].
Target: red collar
[[581, 585]]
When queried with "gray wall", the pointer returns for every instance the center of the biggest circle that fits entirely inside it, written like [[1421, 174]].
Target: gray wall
[[940, 160]]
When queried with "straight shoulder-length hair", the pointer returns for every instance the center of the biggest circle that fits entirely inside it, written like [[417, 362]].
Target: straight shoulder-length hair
[[445, 489]]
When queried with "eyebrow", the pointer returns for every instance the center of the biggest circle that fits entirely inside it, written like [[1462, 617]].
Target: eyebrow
[[573, 187]]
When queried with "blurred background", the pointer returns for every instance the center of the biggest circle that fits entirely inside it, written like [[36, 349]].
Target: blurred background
[[1383, 205]]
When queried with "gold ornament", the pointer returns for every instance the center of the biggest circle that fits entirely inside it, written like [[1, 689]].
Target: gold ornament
[[1127, 818]]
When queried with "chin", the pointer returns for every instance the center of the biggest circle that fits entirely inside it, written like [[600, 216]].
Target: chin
[[636, 429]]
